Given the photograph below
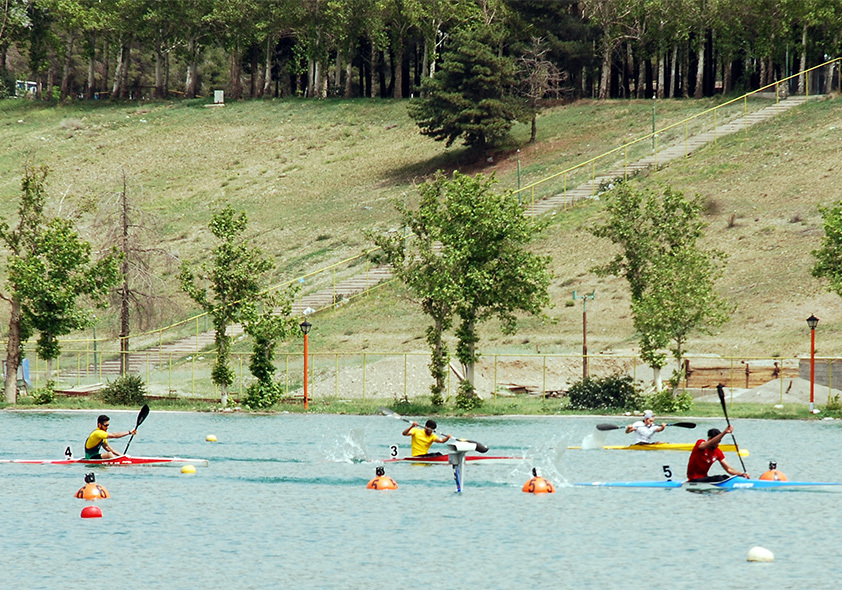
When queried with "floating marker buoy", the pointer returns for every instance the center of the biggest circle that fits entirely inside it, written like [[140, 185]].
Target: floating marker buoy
[[211, 438], [538, 485], [760, 554], [188, 469], [91, 512], [92, 490], [773, 473], [382, 481]]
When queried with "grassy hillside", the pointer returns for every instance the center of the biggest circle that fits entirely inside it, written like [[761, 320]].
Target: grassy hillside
[[313, 175]]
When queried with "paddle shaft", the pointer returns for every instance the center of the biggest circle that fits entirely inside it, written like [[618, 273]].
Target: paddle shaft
[[615, 427], [387, 412], [144, 412], [721, 391]]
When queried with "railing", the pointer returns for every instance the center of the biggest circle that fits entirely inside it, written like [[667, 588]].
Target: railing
[[405, 376], [561, 182]]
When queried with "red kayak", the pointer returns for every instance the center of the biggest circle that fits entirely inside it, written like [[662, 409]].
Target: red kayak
[[122, 460]]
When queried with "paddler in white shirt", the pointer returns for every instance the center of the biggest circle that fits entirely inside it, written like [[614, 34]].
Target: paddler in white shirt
[[644, 430], [98, 440], [423, 438]]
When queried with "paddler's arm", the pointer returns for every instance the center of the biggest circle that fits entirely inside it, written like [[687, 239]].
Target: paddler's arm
[[408, 428], [662, 427], [443, 439], [119, 435], [711, 442], [731, 471]]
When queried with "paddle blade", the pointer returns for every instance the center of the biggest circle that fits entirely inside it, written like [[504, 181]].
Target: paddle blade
[[721, 391], [144, 412], [608, 427], [683, 424]]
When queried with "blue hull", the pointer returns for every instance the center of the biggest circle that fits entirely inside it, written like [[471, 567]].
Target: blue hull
[[733, 483]]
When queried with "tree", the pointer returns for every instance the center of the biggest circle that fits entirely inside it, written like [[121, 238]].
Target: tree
[[471, 95], [671, 278], [829, 256], [50, 269], [539, 78], [226, 286], [469, 260]]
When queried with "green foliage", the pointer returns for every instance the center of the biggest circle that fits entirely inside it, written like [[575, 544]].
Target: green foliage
[[471, 95], [467, 399], [228, 286], [829, 256], [126, 390], [44, 395], [260, 396], [667, 402], [670, 277], [615, 392], [267, 327]]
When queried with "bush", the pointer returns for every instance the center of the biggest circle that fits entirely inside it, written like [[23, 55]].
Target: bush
[[44, 395], [665, 402], [467, 398], [128, 390], [617, 392], [260, 396]]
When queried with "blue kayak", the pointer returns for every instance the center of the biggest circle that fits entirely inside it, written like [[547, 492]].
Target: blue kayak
[[732, 483]]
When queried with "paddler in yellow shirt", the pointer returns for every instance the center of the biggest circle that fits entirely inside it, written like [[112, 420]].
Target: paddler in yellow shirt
[[423, 438], [98, 440]]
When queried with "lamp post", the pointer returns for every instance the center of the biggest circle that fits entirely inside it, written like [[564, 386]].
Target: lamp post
[[812, 321], [305, 329], [584, 299]]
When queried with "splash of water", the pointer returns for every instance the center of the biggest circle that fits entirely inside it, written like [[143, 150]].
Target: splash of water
[[349, 448]]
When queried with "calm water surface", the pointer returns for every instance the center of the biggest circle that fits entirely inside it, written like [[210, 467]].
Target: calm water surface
[[283, 504]]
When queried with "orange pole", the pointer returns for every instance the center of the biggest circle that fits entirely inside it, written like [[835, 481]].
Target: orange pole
[[306, 352]]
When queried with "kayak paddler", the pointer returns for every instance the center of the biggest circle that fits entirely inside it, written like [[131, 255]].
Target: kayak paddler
[[423, 438], [705, 453], [645, 429], [98, 440]]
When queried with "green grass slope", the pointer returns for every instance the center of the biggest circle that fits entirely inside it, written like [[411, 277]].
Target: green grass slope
[[313, 175]]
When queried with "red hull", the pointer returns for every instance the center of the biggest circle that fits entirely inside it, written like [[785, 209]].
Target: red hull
[[123, 460]]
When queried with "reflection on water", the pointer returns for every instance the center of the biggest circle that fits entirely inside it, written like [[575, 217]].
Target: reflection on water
[[283, 504]]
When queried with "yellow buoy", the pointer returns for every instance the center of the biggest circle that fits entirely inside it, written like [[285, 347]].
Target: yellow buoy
[[538, 485], [382, 481], [211, 438], [92, 490], [188, 469]]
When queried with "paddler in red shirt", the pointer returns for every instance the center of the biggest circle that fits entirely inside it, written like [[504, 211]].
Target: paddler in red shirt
[[705, 452]]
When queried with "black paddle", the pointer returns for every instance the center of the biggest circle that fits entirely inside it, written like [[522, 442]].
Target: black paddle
[[481, 448], [144, 412], [721, 391], [615, 427]]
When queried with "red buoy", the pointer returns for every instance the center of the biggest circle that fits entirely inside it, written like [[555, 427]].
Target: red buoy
[[382, 481], [91, 512], [538, 485]]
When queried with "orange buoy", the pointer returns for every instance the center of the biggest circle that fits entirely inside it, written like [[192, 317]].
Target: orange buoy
[[382, 481], [773, 473], [92, 490], [538, 485], [91, 512]]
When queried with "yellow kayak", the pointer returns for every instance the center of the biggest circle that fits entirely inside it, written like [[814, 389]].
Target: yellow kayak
[[687, 447]]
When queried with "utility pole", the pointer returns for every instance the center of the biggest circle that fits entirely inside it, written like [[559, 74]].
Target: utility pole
[[584, 299]]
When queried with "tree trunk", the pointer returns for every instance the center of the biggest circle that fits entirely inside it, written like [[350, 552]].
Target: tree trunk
[[727, 70], [534, 127], [235, 82], [349, 70], [700, 70], [673, 71], [605, 76], [398, 70], [124, 293], [68, 67], [159, 72], [802, 79], [685, 72], [656, 378], [119, 72], [662, 67], [371, 70], [13, 353], [267, 68], [190, 84], [90, 91]]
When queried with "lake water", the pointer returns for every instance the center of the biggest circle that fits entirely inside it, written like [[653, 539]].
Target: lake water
[[283, 504]]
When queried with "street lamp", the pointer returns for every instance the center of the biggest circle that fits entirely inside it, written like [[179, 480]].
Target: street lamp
[[812, 321], [584, 299], [305, 329]]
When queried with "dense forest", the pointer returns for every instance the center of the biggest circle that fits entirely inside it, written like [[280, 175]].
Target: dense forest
[[140, 49]]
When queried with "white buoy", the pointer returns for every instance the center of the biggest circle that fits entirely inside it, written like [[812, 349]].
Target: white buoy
[[760, 554]]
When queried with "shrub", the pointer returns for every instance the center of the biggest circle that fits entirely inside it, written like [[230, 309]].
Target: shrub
[[665, 402], [260, 396], [616, 392], [127, 390], [467, 398], [44, 395]]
